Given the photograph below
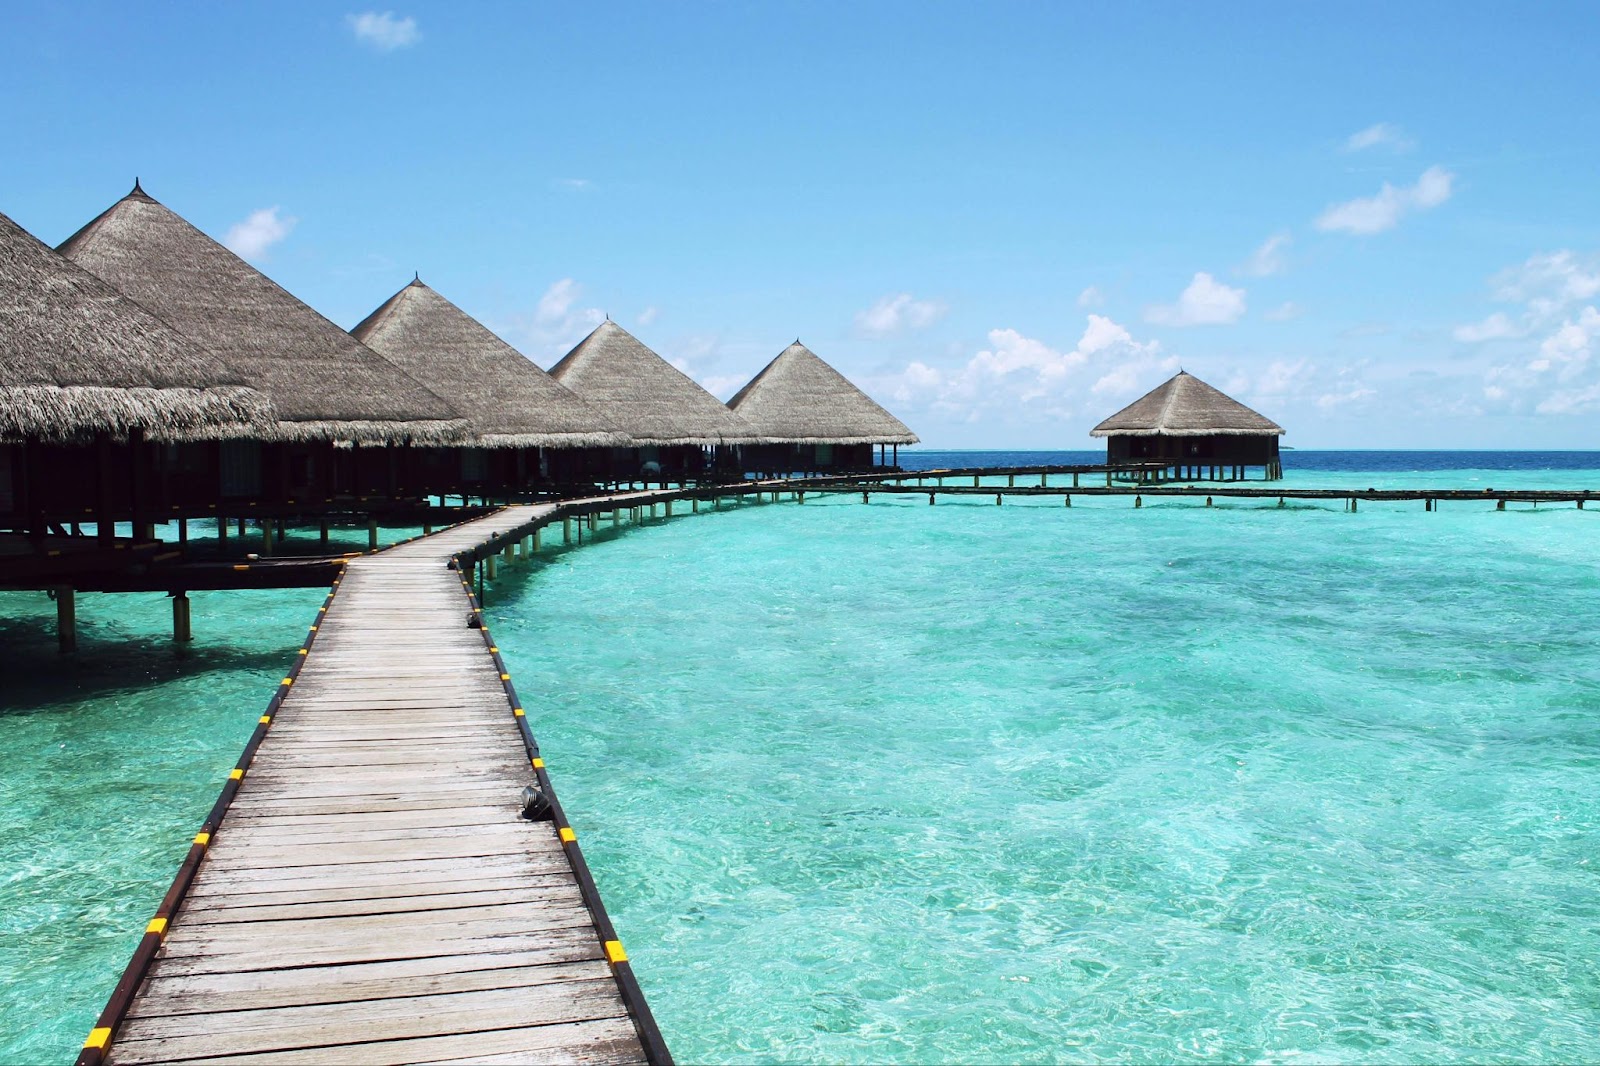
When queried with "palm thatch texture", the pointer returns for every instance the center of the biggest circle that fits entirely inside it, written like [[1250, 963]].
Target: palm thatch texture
[[323, 383], [1185, 406], [645, 396], [508, 401], [800, 399], [77, 358]]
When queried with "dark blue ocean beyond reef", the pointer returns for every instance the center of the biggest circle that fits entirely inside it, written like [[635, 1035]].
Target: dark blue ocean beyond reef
[[964, 783]]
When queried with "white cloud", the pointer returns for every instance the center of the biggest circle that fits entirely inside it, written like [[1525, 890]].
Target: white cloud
[[1375, 214], [1550, 365], [1091, 297], [384, 31], [557, 322], [898, 312], [576, 184], [1018, 376], [251, 238], [722, 386], [557, 301], [1267, 259], [1379, 135], [1497, 326], [1284, 312], [1206, 302], [649, 315]]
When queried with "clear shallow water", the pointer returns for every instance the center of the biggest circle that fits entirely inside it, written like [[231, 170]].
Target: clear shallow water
[[978, 783], [109, 760], [958, 783]]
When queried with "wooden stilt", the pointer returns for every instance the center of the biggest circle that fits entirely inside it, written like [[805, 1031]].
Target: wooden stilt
[[66, 619], [266, 538], [566, 530], [669, 507], [322, 533], [1066, 501], [372, 534], [1138, 501], [538, 538], [222, 531], [181, 629], [183, 535], [490, 566]]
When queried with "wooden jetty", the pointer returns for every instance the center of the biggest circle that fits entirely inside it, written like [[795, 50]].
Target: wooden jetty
[[367, 888], [983, 485]]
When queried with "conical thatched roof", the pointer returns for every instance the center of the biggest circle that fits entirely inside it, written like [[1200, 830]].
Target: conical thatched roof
[[507, 400], [643, 395], [799, 398], [79, 358], [323, 383], [1185, 406]]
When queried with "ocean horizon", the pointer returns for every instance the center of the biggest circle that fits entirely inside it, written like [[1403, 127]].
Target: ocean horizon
[[888, 782]]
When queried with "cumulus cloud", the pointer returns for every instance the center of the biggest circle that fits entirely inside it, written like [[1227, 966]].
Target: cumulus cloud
[[1267, 259], [1379, 135], [1550, 342], [1206, 302], [557, 322], [383, 30], [1018, 376], [1091, 297], [1375, 214], [649, 315], [251, 238], [898, 312]]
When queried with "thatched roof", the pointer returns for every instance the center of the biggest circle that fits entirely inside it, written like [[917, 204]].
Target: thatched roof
[[507, 400], [79, 358], [323, 382], [643, 395], [801, 399], [1185, 406]]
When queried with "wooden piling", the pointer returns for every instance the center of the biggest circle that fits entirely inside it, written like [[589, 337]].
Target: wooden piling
[[66, 618], [183, 535], [372, 534], [322, 532], [566, 529], [1138, 501], [222, 531], [181, 630], [266, 538]]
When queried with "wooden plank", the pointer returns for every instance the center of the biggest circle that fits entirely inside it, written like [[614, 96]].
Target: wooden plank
[[208, 993], [592, 1043], [551, 892], [159, 1039], [246, 896]]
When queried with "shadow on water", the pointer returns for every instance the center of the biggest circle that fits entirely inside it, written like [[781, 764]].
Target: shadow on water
[[38, 678]]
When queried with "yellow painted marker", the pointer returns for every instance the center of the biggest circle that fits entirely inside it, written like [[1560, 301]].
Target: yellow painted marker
[[203, 839], [97, 1038], [567, 835], [538, 763], [158, 926], [614, 952]]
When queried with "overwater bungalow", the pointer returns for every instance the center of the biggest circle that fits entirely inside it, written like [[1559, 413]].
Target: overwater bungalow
[[527, 431], [326, 387], [811, 419], [1200, 432], [93, 388], [680, 431]]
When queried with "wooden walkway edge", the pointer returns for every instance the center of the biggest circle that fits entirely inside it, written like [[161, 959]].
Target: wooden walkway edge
[[366, 888]]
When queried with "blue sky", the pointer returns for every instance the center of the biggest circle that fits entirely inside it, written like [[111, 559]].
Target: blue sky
[[1378, 224]]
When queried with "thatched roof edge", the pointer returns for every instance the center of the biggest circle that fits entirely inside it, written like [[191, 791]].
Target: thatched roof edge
[[1278, 432], [73, 412], [551, 440]]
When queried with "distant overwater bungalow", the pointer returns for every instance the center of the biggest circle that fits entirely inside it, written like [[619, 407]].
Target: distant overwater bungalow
[[526, 430], [678, 429], [1197, 430], [811, 419]]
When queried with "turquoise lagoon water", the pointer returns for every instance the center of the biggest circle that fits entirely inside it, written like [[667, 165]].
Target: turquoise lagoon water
[[959, 783], [976, 783]]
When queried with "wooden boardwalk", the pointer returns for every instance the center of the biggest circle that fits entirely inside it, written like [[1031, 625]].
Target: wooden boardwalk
[[373, 894]]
